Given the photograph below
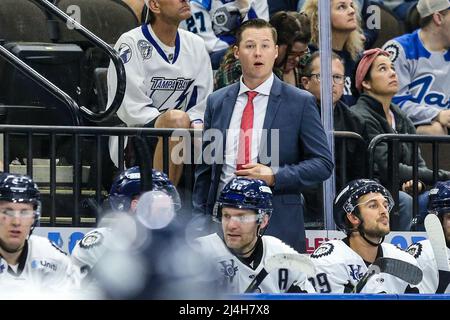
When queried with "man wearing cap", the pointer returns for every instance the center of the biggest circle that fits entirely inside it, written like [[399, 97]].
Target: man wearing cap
[[422, 62]]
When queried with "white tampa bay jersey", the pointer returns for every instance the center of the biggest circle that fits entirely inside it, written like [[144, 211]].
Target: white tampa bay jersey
[[339, 268], [424, 78], [237, 276], [216, 20], [423, 252], [42, 267], [159, 78]]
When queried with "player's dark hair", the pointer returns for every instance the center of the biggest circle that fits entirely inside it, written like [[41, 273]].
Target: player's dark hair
[[257, 24]]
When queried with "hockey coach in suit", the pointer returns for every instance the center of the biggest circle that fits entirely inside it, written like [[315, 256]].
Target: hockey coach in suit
[[270, 131]]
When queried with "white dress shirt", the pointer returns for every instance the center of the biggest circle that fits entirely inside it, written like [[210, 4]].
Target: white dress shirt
[[232, 143]]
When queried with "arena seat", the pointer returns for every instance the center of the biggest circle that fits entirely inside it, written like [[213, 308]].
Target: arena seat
[[412, 19], [108, 19], [27, 103], [22, 20], [391, 27], [101, 86]]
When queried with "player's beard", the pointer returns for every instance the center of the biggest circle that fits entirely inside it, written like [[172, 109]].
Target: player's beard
[[377, 232], [10, 249]]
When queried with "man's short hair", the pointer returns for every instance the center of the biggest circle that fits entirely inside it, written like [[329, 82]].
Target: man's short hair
[[287, 26], [307, 70], [257, 24]]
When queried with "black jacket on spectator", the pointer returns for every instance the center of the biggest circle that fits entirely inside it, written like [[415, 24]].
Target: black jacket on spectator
[[347, 120], [344, 120], [371, 110]]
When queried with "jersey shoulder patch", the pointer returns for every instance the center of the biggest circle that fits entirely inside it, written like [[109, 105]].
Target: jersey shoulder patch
[[415, 249], [125, 52], [92, 239], [145, 48], [324, 250], [394, 50]]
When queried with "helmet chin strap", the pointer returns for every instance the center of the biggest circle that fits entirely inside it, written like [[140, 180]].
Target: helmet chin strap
[[4, 248], [363, 234]]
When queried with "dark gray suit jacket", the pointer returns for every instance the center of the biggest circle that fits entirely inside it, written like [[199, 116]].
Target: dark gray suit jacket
[[304, 155]]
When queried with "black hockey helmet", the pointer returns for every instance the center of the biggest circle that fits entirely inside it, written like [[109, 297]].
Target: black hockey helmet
[[439, 202], [19, 188], [347, 200]]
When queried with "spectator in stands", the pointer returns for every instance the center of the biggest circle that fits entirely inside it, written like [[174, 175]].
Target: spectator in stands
[[365, 11], [216, 21], [344, 117], [377, 82], [293, 33], [344, 120], [347, 37], [262, 101], [163, 88], [297, 54], [422, 62]]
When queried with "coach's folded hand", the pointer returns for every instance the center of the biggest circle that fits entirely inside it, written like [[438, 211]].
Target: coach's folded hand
[[257, 171]]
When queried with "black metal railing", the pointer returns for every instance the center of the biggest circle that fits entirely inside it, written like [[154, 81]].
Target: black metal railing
[[88, 145], [75, 111], [394, 142], [113, 55]]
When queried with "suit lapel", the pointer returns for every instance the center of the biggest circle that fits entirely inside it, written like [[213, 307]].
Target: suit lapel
[[273, 104], [227, 110], [272, 108]]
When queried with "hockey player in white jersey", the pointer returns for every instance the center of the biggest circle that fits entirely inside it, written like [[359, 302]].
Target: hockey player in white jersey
[[439, 204], [361, 210], [422, 64], [27, 262], [123, 198], [240, 251], [168, 77], [217, 20]]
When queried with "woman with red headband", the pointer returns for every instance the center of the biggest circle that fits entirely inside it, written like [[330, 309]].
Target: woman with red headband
[[377, 83]]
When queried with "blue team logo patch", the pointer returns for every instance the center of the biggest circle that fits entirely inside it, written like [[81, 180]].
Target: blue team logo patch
[[34, 264], [145, 48], [2, 268], [125, 52], [91, 240], [415, 250], [324, 250], [393, 50]]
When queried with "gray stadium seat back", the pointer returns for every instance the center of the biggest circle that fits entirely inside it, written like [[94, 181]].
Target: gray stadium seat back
[[412, 19], [391, 27], [107, 19], [22, 20], [101, 86]]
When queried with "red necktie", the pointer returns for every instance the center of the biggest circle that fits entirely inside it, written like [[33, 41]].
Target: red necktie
[[245, 135]]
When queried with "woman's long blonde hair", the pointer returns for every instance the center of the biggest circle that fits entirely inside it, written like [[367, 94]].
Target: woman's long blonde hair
[[354, 44]]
